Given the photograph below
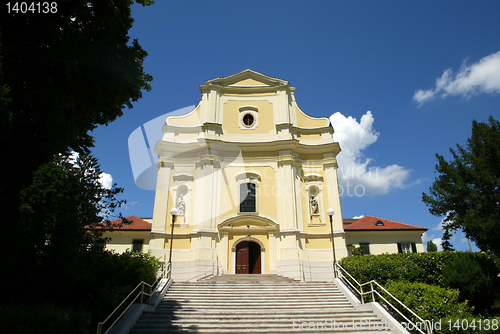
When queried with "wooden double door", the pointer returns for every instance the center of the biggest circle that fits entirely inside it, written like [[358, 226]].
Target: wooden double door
[[248, 259]]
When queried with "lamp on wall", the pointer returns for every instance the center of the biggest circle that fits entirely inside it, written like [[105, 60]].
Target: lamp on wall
[[173, 212], [330, 213]]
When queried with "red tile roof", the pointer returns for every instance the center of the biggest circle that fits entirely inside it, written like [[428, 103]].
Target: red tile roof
[[368, 223], [137, 224]]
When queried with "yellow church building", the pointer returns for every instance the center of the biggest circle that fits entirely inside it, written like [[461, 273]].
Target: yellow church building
[[251, 177]]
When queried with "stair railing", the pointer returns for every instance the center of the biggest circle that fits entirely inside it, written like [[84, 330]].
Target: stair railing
[[139, 293], [373, 286]]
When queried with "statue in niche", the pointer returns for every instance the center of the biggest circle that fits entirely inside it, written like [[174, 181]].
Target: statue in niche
[[314, 205], [181, 206]]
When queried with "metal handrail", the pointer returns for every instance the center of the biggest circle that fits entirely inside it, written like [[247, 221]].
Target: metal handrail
[[140, 294], [360, 291], [373, 292], [428, 324]]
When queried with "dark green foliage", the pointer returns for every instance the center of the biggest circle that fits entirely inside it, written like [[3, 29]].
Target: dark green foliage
[[429, 301], [43, 319], [413, 267], [440, 305], [446, 284], [105, 279], [431, 247], [65, 196], [476, 276], [76, 303], [68, 266], [467, 188], [61, 75], [446, 244], [358, 250]]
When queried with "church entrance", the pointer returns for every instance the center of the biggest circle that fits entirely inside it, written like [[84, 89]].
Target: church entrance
[[248, 259]]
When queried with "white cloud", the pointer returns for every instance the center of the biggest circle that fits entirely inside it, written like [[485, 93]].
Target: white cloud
[[131, 205], [358, 217], [470, 80], [438, 242], [439, 227], [106, 180], [357, 176]]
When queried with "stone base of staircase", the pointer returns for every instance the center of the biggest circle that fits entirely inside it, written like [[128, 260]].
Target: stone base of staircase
[[258, 304], [249, 278]]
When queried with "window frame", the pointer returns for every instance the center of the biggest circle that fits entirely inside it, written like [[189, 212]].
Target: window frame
[[366, 247], [247, 177], [136, 242], [249, 186], [412, 247]]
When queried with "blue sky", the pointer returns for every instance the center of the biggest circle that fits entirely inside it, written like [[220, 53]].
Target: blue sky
[[424, 70]]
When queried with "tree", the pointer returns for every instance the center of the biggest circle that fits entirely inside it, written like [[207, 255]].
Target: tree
[[65, 197], [445, 243], [467, 189], [431, 247], [64, 73]]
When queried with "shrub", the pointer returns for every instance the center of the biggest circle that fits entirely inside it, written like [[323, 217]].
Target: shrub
[[475, 275], [413, 267], [430, 302], [103, 280], [43, 319]]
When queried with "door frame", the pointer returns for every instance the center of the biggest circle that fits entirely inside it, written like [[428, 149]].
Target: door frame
[[262, 253]]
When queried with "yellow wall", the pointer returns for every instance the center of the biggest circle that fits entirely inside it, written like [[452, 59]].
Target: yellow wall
[[179, 243], [121, 241], [382, 242], [190, 119], [266, 190], [232, 113], [250, 82], [306, 121], [319, 243]]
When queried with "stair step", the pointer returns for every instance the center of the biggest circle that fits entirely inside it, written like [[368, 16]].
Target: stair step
[[249, 277], [251, 304], [244, 316]]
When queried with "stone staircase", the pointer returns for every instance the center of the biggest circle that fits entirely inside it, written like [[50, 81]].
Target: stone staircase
[[257, 304]]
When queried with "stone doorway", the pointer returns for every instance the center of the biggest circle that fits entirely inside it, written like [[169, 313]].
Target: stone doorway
[[248, 258]]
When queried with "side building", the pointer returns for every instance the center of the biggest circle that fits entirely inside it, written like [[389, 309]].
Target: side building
[[374, 234]]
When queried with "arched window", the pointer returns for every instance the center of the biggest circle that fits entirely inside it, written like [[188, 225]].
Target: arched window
[[247, 183], [247, 197]]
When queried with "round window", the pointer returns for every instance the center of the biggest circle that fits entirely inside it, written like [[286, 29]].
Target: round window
[[248, 120]]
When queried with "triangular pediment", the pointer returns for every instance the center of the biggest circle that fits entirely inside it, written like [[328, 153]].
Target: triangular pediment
[[247, 78], [249, 82]]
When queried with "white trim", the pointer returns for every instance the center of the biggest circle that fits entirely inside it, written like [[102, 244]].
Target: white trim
[[233, 270], [262, 261], [248, 177]]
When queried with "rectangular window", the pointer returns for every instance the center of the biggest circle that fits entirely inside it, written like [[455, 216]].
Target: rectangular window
[[137, 245], [247, 197], [406, 247], [366, 247]]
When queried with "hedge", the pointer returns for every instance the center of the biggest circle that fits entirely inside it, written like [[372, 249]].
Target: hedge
[[412, 267]]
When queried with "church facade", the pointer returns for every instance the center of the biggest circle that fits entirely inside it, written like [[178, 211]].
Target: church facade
[[251, 176]]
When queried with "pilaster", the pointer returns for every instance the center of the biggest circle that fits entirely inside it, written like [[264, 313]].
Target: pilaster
[[157, 242]]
